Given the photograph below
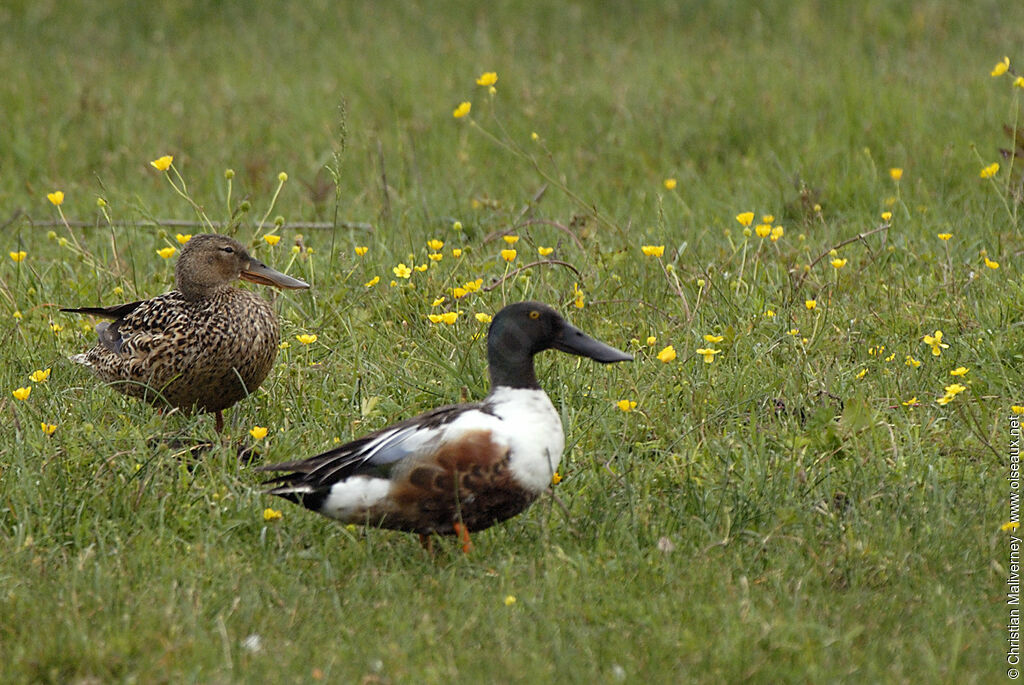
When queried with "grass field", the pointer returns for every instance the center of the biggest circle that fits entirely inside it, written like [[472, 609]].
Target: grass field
[[803, 508]]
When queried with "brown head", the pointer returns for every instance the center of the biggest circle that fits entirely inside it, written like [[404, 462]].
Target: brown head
[[209, 262]]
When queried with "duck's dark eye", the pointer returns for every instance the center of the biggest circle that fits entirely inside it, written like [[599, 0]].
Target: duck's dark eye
[[534, 314], [228, 249]]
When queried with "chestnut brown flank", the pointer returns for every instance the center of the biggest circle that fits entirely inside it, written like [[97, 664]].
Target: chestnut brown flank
[[466, 480]]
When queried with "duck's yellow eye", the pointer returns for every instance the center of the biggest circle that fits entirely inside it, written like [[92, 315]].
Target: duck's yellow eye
[[534, 314]]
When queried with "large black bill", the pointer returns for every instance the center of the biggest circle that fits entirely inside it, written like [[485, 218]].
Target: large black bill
[[575, 341]]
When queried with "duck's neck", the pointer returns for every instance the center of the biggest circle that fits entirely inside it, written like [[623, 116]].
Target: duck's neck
[[511, 370], [193, 291]]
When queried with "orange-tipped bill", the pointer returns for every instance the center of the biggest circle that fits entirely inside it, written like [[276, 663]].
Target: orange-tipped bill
[[258, 272]]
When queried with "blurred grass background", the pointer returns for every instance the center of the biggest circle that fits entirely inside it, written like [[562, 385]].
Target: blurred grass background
[[776, 516]]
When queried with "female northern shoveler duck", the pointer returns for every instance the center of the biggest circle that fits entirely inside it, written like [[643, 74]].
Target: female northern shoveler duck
[[205, 345], [459, 468]]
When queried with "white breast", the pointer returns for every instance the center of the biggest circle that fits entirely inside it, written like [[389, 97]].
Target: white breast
[[531, 428]]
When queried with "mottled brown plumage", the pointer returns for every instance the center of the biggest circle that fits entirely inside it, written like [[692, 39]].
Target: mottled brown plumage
[[205, 345]]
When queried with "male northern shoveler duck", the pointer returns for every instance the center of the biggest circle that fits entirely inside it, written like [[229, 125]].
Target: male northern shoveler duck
[[462, 467], [204, 345]]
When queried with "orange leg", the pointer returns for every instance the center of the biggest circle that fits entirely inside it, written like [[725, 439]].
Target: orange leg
[[463, 533]]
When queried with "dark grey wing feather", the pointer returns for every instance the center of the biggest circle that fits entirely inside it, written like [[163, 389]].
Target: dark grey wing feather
[[373, 454], [109, 333]]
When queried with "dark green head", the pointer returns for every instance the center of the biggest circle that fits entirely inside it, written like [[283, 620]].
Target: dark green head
[[521, 330]]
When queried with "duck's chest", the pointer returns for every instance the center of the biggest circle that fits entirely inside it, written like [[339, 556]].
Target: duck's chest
[[531, 428]]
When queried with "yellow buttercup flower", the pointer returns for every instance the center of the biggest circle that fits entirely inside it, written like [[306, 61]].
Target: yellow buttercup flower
[[40, 375], [402, 271], [372, 282], [769, 314], [990, 171], [745, 218], [162, 163], [510, 239], [435, 256], [651, 340], [626, 405], [284, 345], [462, 110], [508, 255], [483, 318], [510, 600], [667, 354], [48, 428], [361, 250], [895, 173], [258, 432], [838, 263], [456, 252], [810, 304], [708, 354], [713, 338], [1001, 67], [951, 392], [22, 393], [56, 198], [912, 362], [935, 342], [886, 216], [959, 371], [56, 327], [167, 252], [271, 514], [545, 251], [653, 250], [420, 267], [435, 245], [862, 373], [945, 236], [577, 296], [306, 338], [763, 230], [459, 292], [18, 256], [1009, 525], [910, 403], [777, 232], [670, 183], [488, 78], [183, 238], [991, 264], [1017, 409], [448, 317]]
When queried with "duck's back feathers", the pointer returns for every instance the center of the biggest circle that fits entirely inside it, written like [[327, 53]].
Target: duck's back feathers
[[375, 453]]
